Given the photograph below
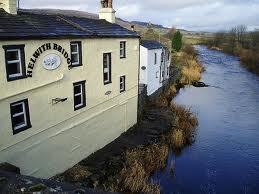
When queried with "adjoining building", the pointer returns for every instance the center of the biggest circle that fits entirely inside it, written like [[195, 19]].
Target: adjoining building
[[155, 61], [68, 87]]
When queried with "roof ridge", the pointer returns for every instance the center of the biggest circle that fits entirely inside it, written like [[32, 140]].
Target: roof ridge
[[76, 25]]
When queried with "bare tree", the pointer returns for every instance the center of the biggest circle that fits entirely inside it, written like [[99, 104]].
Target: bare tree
[[241, 32]]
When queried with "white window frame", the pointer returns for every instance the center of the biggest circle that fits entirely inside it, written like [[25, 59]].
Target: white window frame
[[122, 83], [19, 60], [123, 49], [76, 53], [81, 94], [25, 124], [107, 69]]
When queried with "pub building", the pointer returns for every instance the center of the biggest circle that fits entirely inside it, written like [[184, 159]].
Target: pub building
[[68, 86]]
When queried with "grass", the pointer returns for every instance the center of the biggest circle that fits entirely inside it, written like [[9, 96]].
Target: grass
[[184, 129], [191, 69], [140, 164]]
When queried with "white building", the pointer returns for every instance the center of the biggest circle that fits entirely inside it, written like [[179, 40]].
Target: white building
[[155, 61]]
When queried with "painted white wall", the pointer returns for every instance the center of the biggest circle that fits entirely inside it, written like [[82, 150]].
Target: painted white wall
[[154, 71], [152, 76], [143, 64]]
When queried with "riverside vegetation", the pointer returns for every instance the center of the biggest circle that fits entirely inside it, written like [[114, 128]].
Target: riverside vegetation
[[130, 170], [239, 42]]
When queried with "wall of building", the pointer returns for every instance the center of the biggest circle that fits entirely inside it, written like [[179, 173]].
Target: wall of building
[[61, 137], [143, 71], [154, 71]]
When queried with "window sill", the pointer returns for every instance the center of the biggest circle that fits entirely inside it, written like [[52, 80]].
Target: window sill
[[9, 79], [123, 57], [72, 66], [78, 108], [21, 129], [107, 83]]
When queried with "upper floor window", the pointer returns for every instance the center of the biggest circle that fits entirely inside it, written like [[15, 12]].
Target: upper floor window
[[122, 84], [162, 57], [79, 95], [20, 116], [155, 58], [122, 49], [76, 53], [107, 58], [15, 62]]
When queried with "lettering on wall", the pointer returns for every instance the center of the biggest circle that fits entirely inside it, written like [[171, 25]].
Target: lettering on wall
[[51, 60]]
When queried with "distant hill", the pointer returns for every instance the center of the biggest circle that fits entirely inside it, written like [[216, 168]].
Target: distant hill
[[146, 24]]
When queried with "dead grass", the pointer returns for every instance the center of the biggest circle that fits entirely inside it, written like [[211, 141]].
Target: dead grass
[[176, 138], [140, 164], [191, 69], [184, 129]]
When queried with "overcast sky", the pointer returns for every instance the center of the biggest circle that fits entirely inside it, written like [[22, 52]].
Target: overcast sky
[[199, 15]]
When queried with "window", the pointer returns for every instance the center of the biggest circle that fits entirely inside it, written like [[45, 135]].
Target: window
[[122, 49], [20, 116], [76, 53], [107, 68], [79, 95], [155, 58], [15, 62], [122, 84], [162, 57]]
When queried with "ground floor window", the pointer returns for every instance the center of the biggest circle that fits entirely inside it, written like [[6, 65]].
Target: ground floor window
[[79, 95], [20, 116], [122, 84]]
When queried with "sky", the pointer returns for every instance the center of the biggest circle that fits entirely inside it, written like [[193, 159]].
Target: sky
[[196, 15]]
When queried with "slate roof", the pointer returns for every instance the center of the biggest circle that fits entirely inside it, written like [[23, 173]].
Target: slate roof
[[151, 44], [27, 25]]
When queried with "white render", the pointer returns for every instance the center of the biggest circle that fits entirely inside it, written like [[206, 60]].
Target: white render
[[151, 74]]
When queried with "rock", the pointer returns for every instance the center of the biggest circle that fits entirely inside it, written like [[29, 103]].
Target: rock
[[199, 84], [37, 188], [9, 168]]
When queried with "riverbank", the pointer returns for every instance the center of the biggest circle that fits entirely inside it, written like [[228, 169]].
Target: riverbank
[[240, 43], [127, 164]]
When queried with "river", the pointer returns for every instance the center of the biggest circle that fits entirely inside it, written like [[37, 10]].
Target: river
[[225, 156]]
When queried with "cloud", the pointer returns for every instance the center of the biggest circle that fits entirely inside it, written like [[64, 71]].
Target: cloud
[[209, 15]]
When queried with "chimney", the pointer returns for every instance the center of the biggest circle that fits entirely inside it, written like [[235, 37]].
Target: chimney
[[107, 12], [10, 6]]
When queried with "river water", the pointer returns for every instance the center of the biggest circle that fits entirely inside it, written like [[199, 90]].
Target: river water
[[225, 156]]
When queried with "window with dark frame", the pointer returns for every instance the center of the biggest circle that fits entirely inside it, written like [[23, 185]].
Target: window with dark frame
[[79, 95], [15, 62], [76, 53], [122, 84], [107, 68], [20, 116], [155, 58], [123, 49]]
